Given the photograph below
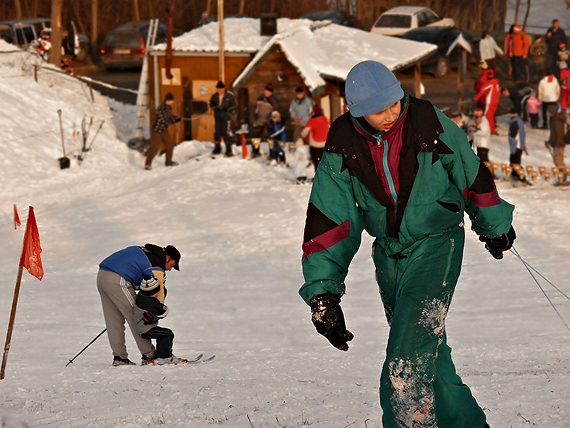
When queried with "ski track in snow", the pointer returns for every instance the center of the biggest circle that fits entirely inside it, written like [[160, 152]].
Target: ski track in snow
[[239, 227]]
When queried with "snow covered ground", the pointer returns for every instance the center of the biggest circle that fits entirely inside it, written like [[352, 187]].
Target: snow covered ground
[[239, 226]]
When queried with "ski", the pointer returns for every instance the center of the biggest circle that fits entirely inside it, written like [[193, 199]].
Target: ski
[[200, 360], [195, 360]]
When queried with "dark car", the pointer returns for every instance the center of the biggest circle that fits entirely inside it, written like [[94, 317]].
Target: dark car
[[336, 16], [125, 46], [439, 63]]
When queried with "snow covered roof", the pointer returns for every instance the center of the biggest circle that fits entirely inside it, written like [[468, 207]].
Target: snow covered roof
[[241, 35], [331, 50], [318, 50]]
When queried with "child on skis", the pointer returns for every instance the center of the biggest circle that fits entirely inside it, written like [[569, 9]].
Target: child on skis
[[147, 312]]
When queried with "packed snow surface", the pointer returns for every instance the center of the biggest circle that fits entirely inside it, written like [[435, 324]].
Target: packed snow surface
[[239, 227]]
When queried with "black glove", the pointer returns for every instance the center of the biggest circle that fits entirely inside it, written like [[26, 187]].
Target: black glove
[[329, 320], [149, 318], [496, 246]]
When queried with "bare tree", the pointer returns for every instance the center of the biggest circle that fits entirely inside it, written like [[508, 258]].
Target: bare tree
[[18, 7], [136, 13], [55, 52], [94, 20]]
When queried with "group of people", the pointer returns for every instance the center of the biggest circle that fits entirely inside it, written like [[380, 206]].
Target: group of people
[[550, 99], [309, 127]]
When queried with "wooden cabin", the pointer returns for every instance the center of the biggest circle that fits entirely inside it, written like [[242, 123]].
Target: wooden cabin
[[314, 55]]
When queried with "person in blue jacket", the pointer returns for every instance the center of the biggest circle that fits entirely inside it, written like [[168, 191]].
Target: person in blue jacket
[[119, 275]]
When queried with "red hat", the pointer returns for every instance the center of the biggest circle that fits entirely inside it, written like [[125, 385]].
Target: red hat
[[517, 27], [269, 87], [478, 112], [561, 44]]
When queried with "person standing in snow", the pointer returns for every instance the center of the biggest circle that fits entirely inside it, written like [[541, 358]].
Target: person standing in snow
[[517, 137], [159, 132], [118, 276], [519, 47], [532, 104], [277, 139], [556, 142], [316, 131], [481, 132], [300, 111], [564, 74], [489, 95], [224, 105], [548, 93], [265, 106], [397, 167], [148, 311], [554, 36], [488, 48]]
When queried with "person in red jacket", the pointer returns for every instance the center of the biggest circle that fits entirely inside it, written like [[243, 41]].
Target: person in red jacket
[[316, 131], [520, 44], [489, 95]]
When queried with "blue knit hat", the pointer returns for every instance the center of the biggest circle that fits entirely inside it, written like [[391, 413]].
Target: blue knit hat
[[371, 87]]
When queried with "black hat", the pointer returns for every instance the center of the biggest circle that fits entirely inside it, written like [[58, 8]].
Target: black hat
[[298, 89], [220, 85], [269, 87], [174, 255], [168, 96], [149, 286]]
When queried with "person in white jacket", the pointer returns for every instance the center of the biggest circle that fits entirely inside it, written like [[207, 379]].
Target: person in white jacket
[[488, 48], [549, 94], [481, 134]]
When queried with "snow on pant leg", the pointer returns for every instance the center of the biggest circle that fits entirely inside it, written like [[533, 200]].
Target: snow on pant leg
[[416, 292], [154, 147], [168, 146], [118, 299], [164, 340]]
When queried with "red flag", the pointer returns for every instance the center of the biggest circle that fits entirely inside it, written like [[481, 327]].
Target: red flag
[[16, 218], [31, 259]]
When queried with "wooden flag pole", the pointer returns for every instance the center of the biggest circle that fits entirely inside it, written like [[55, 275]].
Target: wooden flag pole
[[11, 323]]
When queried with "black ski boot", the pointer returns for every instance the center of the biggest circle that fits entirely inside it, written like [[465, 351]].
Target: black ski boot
[[217, 149], [229, 152]]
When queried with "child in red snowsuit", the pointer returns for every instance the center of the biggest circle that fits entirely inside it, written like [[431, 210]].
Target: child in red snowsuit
[[489, 95]]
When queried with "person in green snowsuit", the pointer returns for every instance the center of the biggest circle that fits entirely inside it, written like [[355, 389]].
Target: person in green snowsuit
[[398, 168]]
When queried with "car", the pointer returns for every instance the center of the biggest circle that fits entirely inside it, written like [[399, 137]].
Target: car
[[335, 16], [26, 32], [124, 46], [401, 19], [439, 63]]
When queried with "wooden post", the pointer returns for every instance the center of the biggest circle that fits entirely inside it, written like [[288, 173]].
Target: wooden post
[[418, 80], [221, 59], [11, 322]]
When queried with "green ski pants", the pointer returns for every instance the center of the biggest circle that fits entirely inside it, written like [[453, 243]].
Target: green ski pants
[[418, 385]]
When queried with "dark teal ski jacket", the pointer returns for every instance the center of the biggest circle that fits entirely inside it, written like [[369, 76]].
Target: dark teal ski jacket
[[440, 178]]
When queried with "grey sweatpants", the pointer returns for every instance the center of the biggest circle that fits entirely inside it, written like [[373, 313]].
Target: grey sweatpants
[[118, 300]]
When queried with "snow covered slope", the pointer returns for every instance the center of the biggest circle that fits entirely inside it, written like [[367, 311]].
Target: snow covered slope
[[239, 226]]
